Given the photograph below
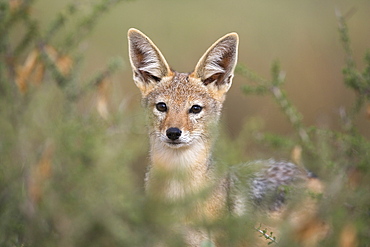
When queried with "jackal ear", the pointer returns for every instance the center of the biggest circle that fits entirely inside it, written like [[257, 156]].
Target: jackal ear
[[216, 66], [147, 62]]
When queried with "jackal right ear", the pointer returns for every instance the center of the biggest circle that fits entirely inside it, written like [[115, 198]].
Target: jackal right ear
[[216, 67], [147, 62]]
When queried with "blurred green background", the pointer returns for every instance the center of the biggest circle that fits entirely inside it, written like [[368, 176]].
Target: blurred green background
[[71, 175], [302, 35]]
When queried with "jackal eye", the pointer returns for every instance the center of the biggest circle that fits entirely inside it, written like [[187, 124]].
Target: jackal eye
[[195, 109], [161, 106]]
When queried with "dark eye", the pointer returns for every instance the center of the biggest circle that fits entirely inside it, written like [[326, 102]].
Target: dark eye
[[161, 107], [195, 109]]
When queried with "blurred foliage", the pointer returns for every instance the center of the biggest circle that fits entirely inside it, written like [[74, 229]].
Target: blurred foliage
[[340, 158], [65, 175], [67, 161]]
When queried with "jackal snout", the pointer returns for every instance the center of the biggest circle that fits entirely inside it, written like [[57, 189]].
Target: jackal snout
[[173, 133]]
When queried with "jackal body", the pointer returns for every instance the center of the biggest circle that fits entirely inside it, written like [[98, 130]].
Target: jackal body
[[183, 109]]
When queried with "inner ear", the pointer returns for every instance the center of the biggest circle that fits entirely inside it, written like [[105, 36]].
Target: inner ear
[[147, 62], [146, 76], [218, 63], [213, 78]]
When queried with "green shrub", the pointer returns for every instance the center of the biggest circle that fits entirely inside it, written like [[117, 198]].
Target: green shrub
[[67, 171]]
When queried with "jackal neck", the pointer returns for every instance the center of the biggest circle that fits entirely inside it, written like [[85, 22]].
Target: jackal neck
[[176, 173]]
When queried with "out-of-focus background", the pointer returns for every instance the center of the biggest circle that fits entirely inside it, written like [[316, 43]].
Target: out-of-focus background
[[302, 35], [74, 145]]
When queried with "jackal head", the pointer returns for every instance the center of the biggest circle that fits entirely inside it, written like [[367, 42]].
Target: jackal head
[[182, 106]]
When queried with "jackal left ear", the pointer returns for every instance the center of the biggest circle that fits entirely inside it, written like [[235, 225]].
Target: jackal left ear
[[216, 66], [148, 64]]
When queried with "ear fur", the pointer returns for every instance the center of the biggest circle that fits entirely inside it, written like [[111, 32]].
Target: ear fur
[[216, 67], [148, 64]]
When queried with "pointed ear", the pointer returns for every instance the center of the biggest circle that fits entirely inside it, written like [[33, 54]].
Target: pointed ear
[[216, 67], [147, 62]]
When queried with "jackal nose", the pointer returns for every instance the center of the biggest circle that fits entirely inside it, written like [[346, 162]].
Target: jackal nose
[[173, 133]]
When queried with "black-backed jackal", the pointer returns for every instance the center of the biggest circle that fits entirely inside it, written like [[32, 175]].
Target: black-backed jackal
[[183, 109]]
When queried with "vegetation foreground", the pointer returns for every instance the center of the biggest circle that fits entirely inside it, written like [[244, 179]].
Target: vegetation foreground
[[67, 173]]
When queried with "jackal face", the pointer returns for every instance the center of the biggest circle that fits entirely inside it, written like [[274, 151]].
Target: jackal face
[[182, 106]]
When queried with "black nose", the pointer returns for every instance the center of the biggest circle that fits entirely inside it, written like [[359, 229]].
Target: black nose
[[173, 133]]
